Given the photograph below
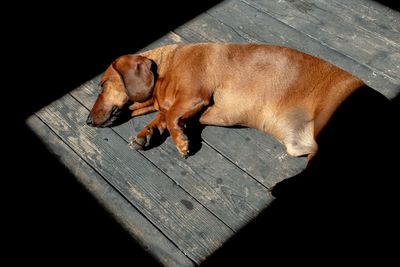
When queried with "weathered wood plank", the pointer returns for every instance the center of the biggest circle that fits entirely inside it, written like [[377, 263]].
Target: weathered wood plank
[[260, 155], [374, 14], [176, 207], [207, 29], [252, 24], [169, 38], [151, 239], [179, 216], [219, 185], [382, 22], [380, 54]]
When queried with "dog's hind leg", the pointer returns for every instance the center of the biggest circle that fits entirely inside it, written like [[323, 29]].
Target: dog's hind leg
[[298, 134], [215, 116], [301, 142]]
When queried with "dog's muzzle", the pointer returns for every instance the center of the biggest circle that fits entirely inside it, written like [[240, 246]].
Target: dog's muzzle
[[89, 120], [117, 116]]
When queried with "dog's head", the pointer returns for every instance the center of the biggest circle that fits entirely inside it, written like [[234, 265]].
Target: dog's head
[[128, 79]]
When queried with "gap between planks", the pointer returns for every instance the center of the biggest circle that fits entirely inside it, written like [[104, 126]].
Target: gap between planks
[[253, 28], [262, 9], [131, 218], [87, 90], [161, 170], [198, 240]]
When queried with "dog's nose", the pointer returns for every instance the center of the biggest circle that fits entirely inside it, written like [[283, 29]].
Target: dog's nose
[[89, 120]]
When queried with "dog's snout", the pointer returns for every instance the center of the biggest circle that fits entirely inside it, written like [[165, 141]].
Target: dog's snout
[[89, 120]]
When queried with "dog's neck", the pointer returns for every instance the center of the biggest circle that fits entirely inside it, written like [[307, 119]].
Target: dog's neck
[[160, 55]]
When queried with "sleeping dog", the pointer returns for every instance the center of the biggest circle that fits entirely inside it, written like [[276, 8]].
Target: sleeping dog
[[280, 91]]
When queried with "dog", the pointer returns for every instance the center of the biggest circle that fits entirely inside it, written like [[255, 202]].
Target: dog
[[281, 91]]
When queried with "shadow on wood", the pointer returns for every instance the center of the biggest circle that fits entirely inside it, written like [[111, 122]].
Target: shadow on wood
[[52, 214], [342, 208], [73, 43], [345, 201], [390, 4]]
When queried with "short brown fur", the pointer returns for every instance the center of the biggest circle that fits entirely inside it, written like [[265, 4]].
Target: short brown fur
[[280, 91]]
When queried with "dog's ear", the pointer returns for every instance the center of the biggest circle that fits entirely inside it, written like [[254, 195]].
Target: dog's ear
[[110, 74], [137, 75]]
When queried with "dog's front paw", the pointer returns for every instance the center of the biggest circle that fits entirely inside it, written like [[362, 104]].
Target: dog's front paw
[[183, 148], [138, 143]]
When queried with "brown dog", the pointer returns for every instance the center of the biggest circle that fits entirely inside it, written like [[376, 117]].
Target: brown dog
[[278, 90]]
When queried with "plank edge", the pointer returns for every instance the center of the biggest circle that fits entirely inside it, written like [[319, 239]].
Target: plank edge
[[162, 249]]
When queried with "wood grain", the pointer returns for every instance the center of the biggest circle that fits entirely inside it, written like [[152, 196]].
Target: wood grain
[[260, 155], [151, 239], [239, 22], [182, 210], [194, 230], [218, 184], [381, 22], [384, 20], [321, 23]]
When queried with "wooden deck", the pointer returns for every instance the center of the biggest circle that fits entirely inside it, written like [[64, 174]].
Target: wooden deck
[[183, 210]]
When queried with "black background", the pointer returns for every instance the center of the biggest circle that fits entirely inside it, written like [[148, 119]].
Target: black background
[[342, 209], [49, 50]]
